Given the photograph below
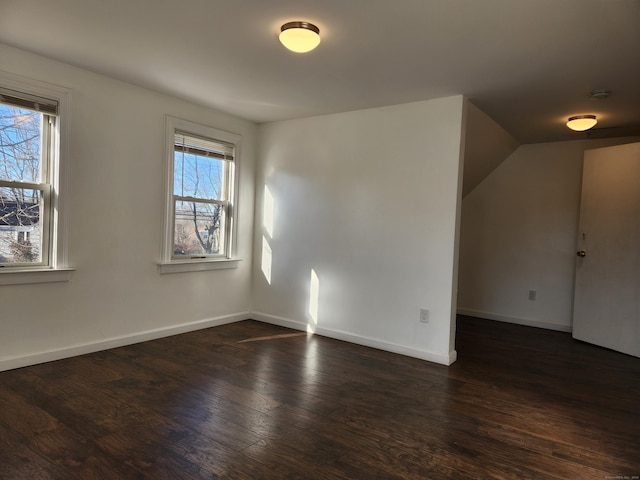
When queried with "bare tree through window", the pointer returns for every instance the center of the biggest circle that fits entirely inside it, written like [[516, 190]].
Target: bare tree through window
[[20, 174], [200, 197]]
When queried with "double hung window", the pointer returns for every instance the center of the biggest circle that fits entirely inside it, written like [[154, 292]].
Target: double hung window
[[201, 184], [27, 171]]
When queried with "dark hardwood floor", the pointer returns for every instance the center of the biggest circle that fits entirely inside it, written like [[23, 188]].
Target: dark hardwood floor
[[255, 401]]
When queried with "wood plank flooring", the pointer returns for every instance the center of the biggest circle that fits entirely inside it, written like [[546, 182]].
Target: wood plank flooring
[[255, 401]]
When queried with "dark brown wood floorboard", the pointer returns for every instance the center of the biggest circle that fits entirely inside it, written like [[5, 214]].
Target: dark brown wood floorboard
[[520, 403]]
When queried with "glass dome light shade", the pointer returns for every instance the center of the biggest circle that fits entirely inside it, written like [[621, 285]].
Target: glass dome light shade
[[580, 123], [300, 37]]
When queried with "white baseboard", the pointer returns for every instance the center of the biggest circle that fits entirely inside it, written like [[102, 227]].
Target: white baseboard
[[359, 340], [9, 363], [518, 321]]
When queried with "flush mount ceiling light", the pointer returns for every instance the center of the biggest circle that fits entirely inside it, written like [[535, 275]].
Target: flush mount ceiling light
[[300, 37], [580, 123]]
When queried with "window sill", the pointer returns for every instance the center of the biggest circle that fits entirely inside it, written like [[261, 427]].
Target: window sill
[[197, 266], [11, 276]]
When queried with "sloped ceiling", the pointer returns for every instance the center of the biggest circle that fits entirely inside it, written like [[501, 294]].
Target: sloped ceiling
[[487, 145]]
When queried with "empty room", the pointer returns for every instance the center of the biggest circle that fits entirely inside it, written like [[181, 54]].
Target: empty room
[[319, 240]]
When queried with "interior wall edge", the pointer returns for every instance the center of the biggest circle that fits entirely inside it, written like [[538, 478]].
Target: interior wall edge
[[527, 322], [19, 361], [358, 339]]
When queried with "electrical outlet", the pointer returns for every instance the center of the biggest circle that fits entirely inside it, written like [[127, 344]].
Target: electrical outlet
[[532, 295], [424, 315]]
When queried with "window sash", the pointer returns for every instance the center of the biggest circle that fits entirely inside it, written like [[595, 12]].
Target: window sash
[[188, 143], [46, 191], [221, 194], [49, 110], [223, 230], [47, 147], [179, 198]]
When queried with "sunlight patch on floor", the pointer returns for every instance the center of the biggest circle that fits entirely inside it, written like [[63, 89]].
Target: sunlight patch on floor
[[273, 337]]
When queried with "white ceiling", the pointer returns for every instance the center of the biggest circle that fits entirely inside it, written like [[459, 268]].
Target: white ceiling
[[529, 64]]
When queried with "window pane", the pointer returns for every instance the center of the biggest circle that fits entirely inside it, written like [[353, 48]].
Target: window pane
[[20, 225], [198, 176], [199, 229], [20, 144]]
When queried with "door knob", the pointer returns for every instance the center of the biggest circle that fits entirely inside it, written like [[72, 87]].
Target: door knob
[[582, 253]]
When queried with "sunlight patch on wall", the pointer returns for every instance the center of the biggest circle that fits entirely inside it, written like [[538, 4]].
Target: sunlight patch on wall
[[266, 260], [314, 296], [268, 211]]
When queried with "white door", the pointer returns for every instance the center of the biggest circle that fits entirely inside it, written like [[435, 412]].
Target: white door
[[607, 295]]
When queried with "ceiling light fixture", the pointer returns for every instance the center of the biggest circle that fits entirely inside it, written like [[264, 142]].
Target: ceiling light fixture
[[580, 123], [300, 37]]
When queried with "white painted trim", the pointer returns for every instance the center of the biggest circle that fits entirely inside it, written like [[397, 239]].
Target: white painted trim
[[197, 266], [359, 340], [9, 363], [518, 321], [9, 276], [173, 124], [280, 321], [58, 223]]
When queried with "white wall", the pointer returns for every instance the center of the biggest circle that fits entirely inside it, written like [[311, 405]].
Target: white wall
[[369, 201], [114, 218], [519, 233]]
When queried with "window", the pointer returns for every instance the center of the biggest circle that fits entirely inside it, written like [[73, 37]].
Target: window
[[199, 223], [27, 164], [34, 119], [24, 236]]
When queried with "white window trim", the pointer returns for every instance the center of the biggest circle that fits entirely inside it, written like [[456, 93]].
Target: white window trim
[[167, 264], [16, 276], [58, 269]]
